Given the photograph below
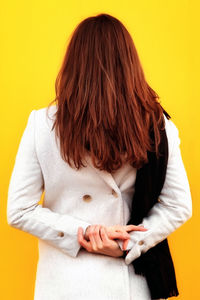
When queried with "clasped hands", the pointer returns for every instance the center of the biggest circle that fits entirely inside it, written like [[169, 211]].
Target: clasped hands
[[101, 239]]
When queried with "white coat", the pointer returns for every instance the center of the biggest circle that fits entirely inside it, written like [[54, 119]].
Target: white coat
[[75, 199]]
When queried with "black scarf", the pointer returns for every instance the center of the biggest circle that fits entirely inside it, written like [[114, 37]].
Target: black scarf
[[156, 264]]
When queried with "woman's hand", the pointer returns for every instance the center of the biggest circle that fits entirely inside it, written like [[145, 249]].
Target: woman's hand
[[118, 231], [99, 242], [114, 230]]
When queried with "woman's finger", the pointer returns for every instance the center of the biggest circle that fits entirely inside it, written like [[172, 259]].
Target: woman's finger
[[118, 235], [135, 227], [104, 235], [97, 237], [91, 237], [125, 244], [82, 241], [117, 232]]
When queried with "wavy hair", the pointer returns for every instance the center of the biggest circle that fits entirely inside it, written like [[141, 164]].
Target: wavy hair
[[105, 107]]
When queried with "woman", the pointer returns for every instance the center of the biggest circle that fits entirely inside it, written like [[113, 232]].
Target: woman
[[84, 153]]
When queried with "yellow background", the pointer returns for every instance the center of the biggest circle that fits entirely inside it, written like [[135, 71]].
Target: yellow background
[[34, 35]]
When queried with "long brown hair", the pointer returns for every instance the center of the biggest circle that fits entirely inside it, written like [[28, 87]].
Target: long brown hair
[[105, 107]]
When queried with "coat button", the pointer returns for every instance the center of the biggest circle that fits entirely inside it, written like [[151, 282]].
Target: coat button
[[87, 198], [141, 242], [114, 193], [61, 233]]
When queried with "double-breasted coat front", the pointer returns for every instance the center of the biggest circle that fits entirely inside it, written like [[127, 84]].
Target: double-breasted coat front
[[77, 198]]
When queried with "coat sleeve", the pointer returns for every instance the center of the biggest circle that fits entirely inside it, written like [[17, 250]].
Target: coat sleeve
[[24, 192], [174, 206]]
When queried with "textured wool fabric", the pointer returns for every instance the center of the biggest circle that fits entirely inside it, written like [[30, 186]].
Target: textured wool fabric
[[65, 270]]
